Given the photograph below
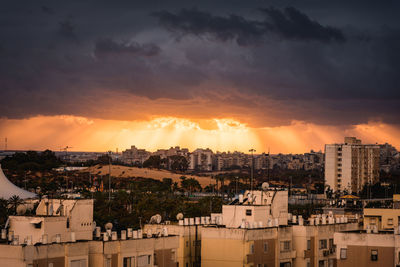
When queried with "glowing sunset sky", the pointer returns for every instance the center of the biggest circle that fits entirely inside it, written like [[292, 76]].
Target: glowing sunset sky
[[234, 75]]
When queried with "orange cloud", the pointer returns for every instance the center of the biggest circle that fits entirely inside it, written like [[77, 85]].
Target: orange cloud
[[227, 134]]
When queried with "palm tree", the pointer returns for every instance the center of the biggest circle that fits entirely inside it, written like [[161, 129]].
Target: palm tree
[[14, 202]]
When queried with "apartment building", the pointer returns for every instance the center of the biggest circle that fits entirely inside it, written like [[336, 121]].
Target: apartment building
[[188, 252], [55, 220], [201, 159], [366, 248], [247, 247], [351, 165], [314, 242], [160, 251], [135, 155]]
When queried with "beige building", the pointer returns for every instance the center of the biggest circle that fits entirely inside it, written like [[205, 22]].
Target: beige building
[[314, 244], [349, 166], [119, 253], [379, 249], [262, 208], [135, 155], [381, 219], [247, 247], [55, 221], [201, 159], [188, 252]]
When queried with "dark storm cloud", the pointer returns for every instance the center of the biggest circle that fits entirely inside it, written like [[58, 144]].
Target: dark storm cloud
[[47, 10], [287, 24], [331, 65], [193, 21], [107, 47], [293, 24], [67, 30]]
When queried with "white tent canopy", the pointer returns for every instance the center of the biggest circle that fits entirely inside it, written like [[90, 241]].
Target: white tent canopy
[[8, 189]]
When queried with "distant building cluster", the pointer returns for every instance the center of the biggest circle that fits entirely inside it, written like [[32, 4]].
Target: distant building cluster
[[206, 160]]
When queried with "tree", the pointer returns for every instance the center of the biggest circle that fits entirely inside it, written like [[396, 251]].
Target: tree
[[190, 184], [31, 160], [153, 162], [14, 202], [178, 163]]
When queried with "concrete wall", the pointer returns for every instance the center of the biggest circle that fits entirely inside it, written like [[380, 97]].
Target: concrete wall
[[359, 247], [187, 250], [245, 247], [384, 219]]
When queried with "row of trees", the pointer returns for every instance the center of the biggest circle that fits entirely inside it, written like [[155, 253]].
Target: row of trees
[[31, 160], [144, 198], [174, 163]]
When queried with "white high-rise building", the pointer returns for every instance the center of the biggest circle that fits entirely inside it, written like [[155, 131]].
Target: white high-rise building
[[349, 166]]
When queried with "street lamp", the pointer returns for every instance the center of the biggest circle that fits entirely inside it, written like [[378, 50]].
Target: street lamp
[[109, 181], [252, 168]]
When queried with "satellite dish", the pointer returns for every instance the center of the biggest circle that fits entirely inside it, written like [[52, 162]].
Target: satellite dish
[[108, 226], [21, 209], [265, 186], [179, 216], [156, 219]]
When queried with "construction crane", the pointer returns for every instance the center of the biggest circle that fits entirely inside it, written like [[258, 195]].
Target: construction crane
[[66, 151]]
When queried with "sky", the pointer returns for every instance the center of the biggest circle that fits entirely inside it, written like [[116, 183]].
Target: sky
[[284, 76]]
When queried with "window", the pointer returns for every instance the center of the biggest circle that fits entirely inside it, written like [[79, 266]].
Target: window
[[308, 244], [143, 260], [285, 246], [265, 247], [76, 263], [187, 243], [321, 263], [390, 221], [129, 262], [343, 253], [323, 244], [331, 245], [330, 263], [248, 212], [108, 263], [374, 255], [173, 255], [252, 249], [155, 259]]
